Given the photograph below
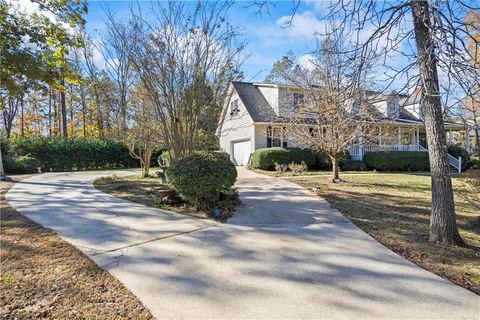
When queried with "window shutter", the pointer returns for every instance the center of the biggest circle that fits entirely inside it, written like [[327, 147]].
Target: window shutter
[[269, 137]]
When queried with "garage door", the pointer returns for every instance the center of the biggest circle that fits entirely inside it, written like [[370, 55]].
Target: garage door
[[241, 152]]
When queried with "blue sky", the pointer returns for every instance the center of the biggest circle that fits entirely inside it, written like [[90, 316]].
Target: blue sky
[[267, 39]]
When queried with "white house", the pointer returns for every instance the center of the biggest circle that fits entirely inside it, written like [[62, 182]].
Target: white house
[[253, 108]]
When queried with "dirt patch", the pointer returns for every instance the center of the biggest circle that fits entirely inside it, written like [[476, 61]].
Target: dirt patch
[[43, 276]]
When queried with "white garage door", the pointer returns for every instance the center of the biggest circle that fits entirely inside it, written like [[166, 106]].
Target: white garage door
[[241, 152]]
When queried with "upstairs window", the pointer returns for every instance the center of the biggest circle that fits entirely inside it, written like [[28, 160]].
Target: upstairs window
[[297, 98], [234, 107]]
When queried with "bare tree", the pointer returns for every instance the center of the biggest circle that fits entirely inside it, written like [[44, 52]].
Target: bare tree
[[334, 112], [115, 46], [184, 59], [432, 35], [143, 136]]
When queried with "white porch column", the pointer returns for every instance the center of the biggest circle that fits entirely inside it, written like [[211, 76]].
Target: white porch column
[[417, 139], [399, 138], [360, 147], [467, 141]]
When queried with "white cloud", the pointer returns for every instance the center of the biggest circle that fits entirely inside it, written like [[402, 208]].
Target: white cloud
[[302, 25], [307, 61], [281, 34]]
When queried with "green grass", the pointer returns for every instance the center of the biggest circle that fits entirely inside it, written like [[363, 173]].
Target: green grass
[[324, 173], [395, 210]]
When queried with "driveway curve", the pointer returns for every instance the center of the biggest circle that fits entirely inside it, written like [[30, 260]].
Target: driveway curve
[[285, 254]]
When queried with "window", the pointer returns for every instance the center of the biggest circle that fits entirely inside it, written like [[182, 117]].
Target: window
[[234, 107], [293, 100], [278, 138], [297, 98]]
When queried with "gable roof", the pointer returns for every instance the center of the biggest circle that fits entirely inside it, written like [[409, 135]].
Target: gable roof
[[255, 102], [260, 109]]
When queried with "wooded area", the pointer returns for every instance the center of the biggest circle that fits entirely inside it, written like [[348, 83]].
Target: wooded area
[[134, 74]]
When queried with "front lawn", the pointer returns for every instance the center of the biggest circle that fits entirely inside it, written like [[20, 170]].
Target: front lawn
[[395, 210], [321, 173], [42, 276]]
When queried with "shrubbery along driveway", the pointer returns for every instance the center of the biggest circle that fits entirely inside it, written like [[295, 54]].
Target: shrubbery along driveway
[[285, 254]]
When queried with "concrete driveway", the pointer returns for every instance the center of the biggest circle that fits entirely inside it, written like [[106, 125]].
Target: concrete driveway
[[285, 254]]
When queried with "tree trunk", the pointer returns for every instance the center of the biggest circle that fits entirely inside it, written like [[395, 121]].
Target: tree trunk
[[443, 226], [146, 164], [2, 173], [477, 138], [335, 168], [64, 111], [22, 116], [50, 113], [72, 122]]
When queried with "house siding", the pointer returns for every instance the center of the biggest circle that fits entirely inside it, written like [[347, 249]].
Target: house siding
[[272, 96], [261, 137], [414, 110], [236, 128]]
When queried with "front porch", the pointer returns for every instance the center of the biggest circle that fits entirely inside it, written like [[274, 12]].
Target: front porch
[[412, 139]]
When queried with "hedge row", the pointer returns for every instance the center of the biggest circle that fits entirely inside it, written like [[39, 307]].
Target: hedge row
[[266, 158], [65, 154], [397, 161]]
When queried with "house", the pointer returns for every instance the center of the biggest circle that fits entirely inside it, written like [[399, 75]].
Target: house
[[253, 109]]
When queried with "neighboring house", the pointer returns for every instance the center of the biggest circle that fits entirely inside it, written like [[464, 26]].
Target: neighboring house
[[253, 109]]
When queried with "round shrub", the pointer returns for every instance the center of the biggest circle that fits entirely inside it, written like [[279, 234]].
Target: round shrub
[[457, 151], [202, 177]]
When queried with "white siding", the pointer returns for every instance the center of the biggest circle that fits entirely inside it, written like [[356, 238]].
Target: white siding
[[237, 127], [261, 137], [414, 110], [272, 96], [285, 97], [381, 107]]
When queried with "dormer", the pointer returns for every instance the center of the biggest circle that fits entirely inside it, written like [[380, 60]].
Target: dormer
[[271, 93], [393, 106]]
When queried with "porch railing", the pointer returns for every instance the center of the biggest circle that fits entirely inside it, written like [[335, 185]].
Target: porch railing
[[358, 151]]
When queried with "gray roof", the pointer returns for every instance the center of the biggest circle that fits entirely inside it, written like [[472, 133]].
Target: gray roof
[[255, 103], [261, 111]]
